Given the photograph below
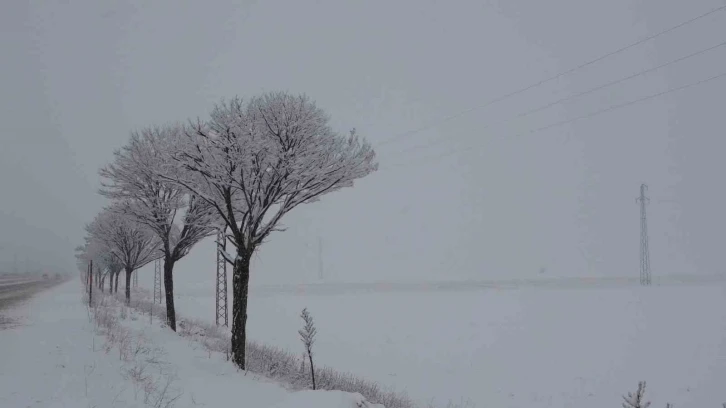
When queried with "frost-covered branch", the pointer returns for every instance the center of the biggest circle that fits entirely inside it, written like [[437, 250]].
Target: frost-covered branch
[[254, 162], [131, 244], [636, 400], [133, 180]]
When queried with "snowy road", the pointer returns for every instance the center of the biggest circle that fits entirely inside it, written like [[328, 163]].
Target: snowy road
[[48, 360], [14, 291]]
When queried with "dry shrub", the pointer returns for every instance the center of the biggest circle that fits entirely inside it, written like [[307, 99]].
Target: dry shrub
[[144, 365]]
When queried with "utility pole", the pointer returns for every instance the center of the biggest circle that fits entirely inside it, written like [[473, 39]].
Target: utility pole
[[320, 258], [220, 314], [644, 250], [157, 280]]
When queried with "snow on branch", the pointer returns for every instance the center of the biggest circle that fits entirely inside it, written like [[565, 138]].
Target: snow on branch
[[255, 161], [133, 180], [130, 243], [636, 400], [226, 255]]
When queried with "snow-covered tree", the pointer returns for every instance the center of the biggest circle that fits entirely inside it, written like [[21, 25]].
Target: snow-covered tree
[[179, 219], [637, 399], [111, 269], [132, 244], [100, 276], [114, 269], [253, 163], [307, 336], [83, 258], [91, 250]]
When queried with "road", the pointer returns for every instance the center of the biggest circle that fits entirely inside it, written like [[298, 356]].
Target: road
[[14, 290]]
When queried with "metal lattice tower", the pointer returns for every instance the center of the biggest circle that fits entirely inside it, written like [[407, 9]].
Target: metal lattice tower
[[221, 284], [644, 250], [157, 281]]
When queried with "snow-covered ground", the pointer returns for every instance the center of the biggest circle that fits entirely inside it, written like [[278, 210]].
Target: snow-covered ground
[[48, 360], [527, 347], [56, 359]]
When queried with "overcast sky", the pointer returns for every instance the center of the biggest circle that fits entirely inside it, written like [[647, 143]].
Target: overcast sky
[[77, 76]]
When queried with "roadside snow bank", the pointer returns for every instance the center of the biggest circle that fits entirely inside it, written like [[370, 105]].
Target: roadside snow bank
[[53, 358], [272, 363], [191, 376], [202, 373]]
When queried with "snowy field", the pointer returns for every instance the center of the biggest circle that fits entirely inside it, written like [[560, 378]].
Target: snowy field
[[527, 347]]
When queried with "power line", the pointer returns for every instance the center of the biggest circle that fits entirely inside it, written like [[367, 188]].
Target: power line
[[546, 80], [564, 122], [577, 95]]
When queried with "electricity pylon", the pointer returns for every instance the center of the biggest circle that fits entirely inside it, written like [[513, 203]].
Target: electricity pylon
[[644, 250], [221, 281], [157, 281]]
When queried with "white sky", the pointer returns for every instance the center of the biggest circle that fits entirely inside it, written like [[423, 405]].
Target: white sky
[[76, 77]]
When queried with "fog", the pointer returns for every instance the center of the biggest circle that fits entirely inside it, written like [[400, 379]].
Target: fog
[[77, 77]]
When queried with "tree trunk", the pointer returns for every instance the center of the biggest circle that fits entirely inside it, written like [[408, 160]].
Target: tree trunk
[[110, 282], [115, 289], [128, 285], [103, 283], [169, 289], [240, 288], [90, 285], [312, 369]]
